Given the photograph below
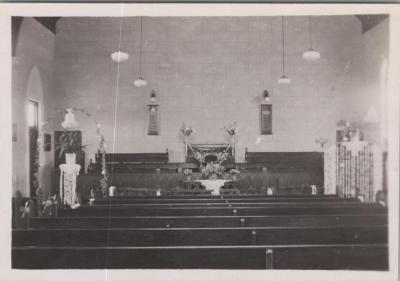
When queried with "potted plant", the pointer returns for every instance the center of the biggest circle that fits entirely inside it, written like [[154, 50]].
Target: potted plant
[[69, 145]]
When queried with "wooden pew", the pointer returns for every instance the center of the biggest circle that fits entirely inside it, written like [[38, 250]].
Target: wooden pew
[[208, 221], [227, 204], [333, 256], [202, 199], [134, 162], [290, 165], [235, 196], [200, 236], [272, 209], [190, 192], [137, 157]]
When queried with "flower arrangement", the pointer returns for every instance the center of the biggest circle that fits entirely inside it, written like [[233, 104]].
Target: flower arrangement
[[234, 171], [187, 131], [69, 142], [213, 168], [188, 172], [49, 207], [102, 150], [222, 156], [200, 157], [231, 130]]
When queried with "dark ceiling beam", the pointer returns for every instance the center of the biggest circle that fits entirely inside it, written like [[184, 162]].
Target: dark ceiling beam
[[48, 22], [15, 27], [369, 21]]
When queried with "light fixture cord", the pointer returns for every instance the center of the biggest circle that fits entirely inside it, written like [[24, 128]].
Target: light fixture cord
[[283, 46], [140, 50], [310, 31], [115, 124]]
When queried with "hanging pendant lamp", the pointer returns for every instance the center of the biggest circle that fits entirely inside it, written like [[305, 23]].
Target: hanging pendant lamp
[[266, 97], [140, 82], [119, 56], [311, 54], [284, 79]]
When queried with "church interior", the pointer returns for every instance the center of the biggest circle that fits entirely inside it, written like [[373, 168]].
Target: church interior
[[218, 142]]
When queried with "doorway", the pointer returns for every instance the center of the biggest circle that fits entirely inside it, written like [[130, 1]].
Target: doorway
[[33, 125]]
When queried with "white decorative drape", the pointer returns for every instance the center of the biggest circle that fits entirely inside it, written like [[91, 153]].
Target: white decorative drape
[[68, 174], [213, 185]]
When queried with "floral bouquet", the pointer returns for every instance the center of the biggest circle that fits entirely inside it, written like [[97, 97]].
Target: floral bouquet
[[187, 172], [213, 168], [234, 172], [199, 157], [187, 131], [222, 156], [49, 207], [102, 149], [231, 130]]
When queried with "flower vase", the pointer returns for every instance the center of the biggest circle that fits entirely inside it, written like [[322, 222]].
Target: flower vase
[[213, 176], [97, 193], [234, 177], [70, 158], [188, 178]]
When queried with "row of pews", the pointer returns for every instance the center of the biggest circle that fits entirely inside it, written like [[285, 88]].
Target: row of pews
[[208, 232]]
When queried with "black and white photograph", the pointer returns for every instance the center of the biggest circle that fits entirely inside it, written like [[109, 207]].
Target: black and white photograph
[[218, 141]]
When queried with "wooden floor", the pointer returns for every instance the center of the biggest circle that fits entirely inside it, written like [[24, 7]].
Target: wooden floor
[[213, 232]]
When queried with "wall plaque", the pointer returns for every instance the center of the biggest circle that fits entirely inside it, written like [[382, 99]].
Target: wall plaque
[[266, 119], [46, 142], [153, 128]]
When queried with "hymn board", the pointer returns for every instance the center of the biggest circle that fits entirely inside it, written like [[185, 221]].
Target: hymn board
[[266, 119]]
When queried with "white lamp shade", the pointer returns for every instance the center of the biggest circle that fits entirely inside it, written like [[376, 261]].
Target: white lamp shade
[[311, 55], [140, 82], [119, 56], [284, 80]]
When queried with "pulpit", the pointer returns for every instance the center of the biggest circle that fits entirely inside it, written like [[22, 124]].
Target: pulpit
[[68, 175]]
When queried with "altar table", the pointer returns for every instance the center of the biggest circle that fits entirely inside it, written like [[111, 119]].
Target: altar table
[[213, 185]]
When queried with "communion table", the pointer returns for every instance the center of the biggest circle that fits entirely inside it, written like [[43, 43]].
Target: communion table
[[68, 175], [213, 185]]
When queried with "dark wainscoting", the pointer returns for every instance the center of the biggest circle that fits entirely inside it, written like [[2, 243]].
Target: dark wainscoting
[[248, 181], [287, 161]]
